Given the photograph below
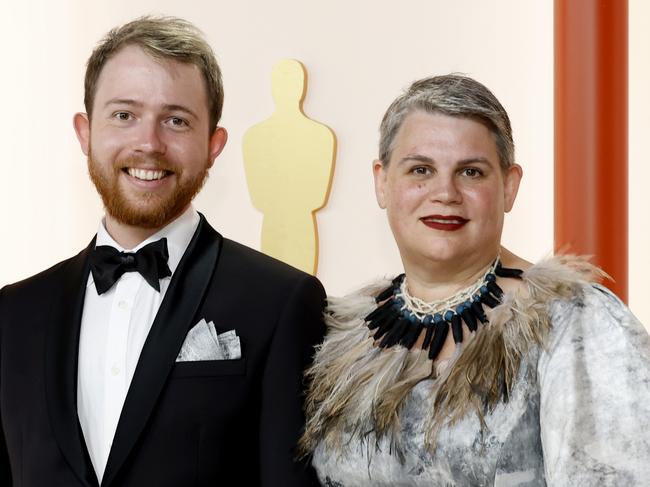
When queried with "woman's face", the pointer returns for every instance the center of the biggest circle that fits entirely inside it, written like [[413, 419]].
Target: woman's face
[[444, 190]]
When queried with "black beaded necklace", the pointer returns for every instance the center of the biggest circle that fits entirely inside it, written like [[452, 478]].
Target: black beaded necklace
[[397, 324]]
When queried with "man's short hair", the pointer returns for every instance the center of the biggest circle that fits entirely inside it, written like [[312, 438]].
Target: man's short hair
[[162, 38], [454, 95]]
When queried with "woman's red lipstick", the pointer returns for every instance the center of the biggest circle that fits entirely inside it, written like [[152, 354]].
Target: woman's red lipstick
[[449, 223]]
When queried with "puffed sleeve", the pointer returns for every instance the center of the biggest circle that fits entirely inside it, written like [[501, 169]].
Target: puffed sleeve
[[594, 379]]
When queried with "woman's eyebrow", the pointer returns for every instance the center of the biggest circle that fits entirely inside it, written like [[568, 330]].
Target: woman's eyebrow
[[475, 160], [416, 157], [429, 160]]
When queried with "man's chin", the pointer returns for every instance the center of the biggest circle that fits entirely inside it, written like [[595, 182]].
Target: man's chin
[[144, 215]]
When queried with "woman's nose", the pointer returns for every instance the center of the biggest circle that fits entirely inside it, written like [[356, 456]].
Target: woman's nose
[[444, 189]]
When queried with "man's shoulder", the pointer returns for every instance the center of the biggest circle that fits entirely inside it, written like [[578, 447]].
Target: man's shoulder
[[42, 281], [251, 262]]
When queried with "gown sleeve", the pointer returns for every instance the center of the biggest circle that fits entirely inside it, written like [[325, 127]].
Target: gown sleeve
[[594, 379]]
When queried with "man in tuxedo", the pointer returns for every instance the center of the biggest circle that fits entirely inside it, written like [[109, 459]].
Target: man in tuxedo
[[162, 354]]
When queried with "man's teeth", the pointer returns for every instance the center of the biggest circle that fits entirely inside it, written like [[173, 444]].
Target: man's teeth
[[145, 174]]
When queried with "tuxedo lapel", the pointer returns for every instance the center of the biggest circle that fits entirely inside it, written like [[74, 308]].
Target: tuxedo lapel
[[61, 372], [175, 317]]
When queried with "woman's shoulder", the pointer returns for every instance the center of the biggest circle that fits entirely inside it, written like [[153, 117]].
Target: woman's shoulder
[[557, 277], [583, 315], [557, 281], [572, 289], [596, 317]]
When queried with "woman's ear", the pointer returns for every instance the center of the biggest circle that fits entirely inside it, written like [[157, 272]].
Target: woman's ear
[[511, 182], [379, 173]]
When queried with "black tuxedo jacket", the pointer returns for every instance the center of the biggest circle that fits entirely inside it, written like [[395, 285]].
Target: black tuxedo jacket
[[222, 422]]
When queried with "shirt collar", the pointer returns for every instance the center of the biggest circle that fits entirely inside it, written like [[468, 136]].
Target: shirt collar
[[178, 234]]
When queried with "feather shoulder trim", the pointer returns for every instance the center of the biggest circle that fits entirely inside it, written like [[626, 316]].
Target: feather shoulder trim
[[357, 388]]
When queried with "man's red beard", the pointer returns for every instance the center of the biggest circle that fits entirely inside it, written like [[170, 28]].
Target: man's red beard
[[149, 210]]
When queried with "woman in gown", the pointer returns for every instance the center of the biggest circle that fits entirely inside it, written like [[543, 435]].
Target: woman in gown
[[474, 367]]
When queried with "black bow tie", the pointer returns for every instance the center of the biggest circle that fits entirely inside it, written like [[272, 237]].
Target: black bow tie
[[107, 264]]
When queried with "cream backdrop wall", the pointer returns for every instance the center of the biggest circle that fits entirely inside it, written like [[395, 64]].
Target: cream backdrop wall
[[359, 55]]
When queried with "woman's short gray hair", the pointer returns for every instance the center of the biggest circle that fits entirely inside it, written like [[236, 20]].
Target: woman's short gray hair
[[455, 95]]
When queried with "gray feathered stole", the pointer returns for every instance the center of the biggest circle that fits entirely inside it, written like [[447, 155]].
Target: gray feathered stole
[[357, 388]]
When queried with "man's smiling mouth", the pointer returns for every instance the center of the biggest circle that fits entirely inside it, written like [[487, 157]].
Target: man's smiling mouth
[[146, 174]]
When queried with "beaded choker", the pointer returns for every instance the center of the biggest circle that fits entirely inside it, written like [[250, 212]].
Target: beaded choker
[[400, 318]]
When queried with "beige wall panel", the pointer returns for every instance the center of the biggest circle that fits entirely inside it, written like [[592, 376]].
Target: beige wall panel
[[359, 56], [639, 165]]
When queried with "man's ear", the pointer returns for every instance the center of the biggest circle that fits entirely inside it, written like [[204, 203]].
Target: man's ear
[[218, 141], [379, 173], [511, 182], [81, 125]]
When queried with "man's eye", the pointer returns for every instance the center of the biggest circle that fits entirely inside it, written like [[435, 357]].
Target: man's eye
[[178, 122], [123, 116]]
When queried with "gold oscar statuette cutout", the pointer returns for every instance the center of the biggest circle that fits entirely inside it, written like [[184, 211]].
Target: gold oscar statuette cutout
[[289, 161]]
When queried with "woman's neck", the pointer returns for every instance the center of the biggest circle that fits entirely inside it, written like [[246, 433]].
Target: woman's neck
[[440, 280]]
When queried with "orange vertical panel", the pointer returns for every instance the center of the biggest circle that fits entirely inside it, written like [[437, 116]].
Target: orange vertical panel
[[591, 87]]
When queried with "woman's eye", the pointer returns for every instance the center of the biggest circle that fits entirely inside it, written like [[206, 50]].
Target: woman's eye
[[472, 172], [421, 170]]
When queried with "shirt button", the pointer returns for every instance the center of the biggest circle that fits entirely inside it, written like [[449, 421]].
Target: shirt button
[[115, 370], [123, 304]]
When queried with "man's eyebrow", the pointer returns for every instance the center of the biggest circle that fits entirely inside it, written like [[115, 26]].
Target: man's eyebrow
[[180, 108], [122, 101]]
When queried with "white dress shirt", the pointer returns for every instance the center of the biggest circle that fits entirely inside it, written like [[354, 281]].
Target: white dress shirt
[[114, 327]]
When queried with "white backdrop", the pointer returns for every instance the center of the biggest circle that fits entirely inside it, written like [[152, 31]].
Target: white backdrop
[[359, 56]]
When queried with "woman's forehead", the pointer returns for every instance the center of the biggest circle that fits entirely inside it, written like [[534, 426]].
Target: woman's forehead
[[426, 133]]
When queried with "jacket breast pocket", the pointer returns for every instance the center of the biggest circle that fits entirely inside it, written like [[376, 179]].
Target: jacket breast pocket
[[209, 368]]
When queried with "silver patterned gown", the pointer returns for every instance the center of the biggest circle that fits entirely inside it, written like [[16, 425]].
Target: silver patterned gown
[[577, 412]]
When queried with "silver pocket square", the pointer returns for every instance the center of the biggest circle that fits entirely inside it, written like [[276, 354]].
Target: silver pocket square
[[230, 346], [203, 343]]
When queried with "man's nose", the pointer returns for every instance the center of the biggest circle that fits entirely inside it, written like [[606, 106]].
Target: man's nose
[[150, 138]]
